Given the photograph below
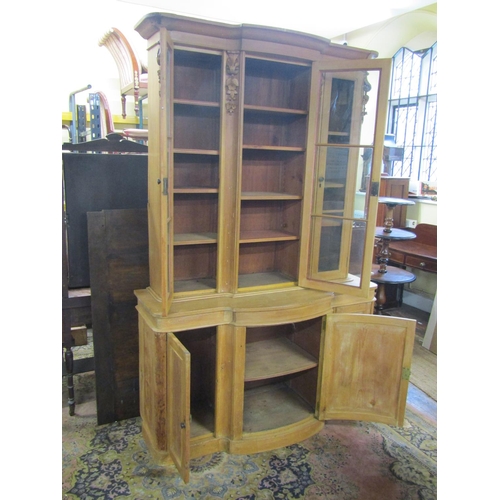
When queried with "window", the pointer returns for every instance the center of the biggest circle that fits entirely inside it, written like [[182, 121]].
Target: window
[[413, 113]]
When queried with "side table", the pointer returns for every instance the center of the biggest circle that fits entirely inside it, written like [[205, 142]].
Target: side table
[[391, 276], [382, 273]]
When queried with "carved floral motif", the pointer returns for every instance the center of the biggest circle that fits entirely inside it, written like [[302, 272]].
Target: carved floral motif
[[232, 80]]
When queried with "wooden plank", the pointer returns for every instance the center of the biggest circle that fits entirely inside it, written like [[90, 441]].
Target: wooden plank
[[94, 182], [274, 358], [118, 256]]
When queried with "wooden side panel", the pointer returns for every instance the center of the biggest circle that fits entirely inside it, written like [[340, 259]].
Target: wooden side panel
[[178, 407], [118, 253], [365, 367]]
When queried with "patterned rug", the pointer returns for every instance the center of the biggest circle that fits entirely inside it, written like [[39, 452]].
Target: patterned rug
[[345, 461]]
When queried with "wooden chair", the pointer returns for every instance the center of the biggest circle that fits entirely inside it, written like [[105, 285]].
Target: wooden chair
[[132, 72], [136, 134]]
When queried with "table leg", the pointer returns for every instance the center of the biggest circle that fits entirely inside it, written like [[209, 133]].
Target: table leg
[[380, 298]]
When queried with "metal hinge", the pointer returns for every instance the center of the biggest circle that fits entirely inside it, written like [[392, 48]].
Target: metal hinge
[[406, 374], [374, 189], [165, 185]]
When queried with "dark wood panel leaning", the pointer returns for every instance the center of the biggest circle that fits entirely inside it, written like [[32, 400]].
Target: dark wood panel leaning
[[94, 182], [118, 257]]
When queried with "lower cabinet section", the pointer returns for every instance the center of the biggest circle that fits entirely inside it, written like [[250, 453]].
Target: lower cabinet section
[[246, 388]]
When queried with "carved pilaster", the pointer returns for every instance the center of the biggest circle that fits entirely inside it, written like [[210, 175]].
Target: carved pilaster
[[232, 80]]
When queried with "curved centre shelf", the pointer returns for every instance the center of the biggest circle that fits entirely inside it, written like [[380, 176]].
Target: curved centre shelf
[[260, 147], [271, 109], [196, 190], [193, 102], [272, 407], [265, 195], [195, 238], [266, 235], [274, 358]]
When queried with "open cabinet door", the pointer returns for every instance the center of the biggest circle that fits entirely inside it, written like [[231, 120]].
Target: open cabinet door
[[178, 404], [344, 155], [365, 368]]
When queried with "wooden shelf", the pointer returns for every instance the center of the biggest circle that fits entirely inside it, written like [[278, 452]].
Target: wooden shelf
[[203, 421], [185, 151], [266, 235], [195, 190], [271, 407], [264, 279], [194, 238], [273, 148], [264, 195], [270, 109], [194, 285], [274, 358], [188, 102]]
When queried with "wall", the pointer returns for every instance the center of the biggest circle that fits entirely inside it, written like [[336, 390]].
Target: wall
[[84, 62]]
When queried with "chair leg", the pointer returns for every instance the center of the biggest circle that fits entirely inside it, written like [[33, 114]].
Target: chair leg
[[124, 106], [136, 102], [68, 356]]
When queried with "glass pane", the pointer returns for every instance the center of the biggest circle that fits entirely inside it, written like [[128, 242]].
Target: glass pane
[[339, 222], [343, 176], [332, 263]]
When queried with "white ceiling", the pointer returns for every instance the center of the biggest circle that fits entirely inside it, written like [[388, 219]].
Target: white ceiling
[[320, 17]]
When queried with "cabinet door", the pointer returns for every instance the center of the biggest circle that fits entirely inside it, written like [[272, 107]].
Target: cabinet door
[[178, 404], [344, 156], [365, 368]]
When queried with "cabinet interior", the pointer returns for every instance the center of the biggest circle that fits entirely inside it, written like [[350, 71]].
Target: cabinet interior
[[197, 76], [276, 84], [281, 372], [276, 98], [201, 344], [196, 90]]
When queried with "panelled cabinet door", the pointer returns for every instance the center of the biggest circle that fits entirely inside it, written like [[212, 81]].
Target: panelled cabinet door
[[344, 155], [365, 368], [178, 404]]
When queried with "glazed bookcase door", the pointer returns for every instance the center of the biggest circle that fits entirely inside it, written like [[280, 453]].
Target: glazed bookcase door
[[365, 368], [344, 158], [178, 404]]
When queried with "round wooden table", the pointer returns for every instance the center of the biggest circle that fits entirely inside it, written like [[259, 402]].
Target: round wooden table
[[391, 204], [391, 276]]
